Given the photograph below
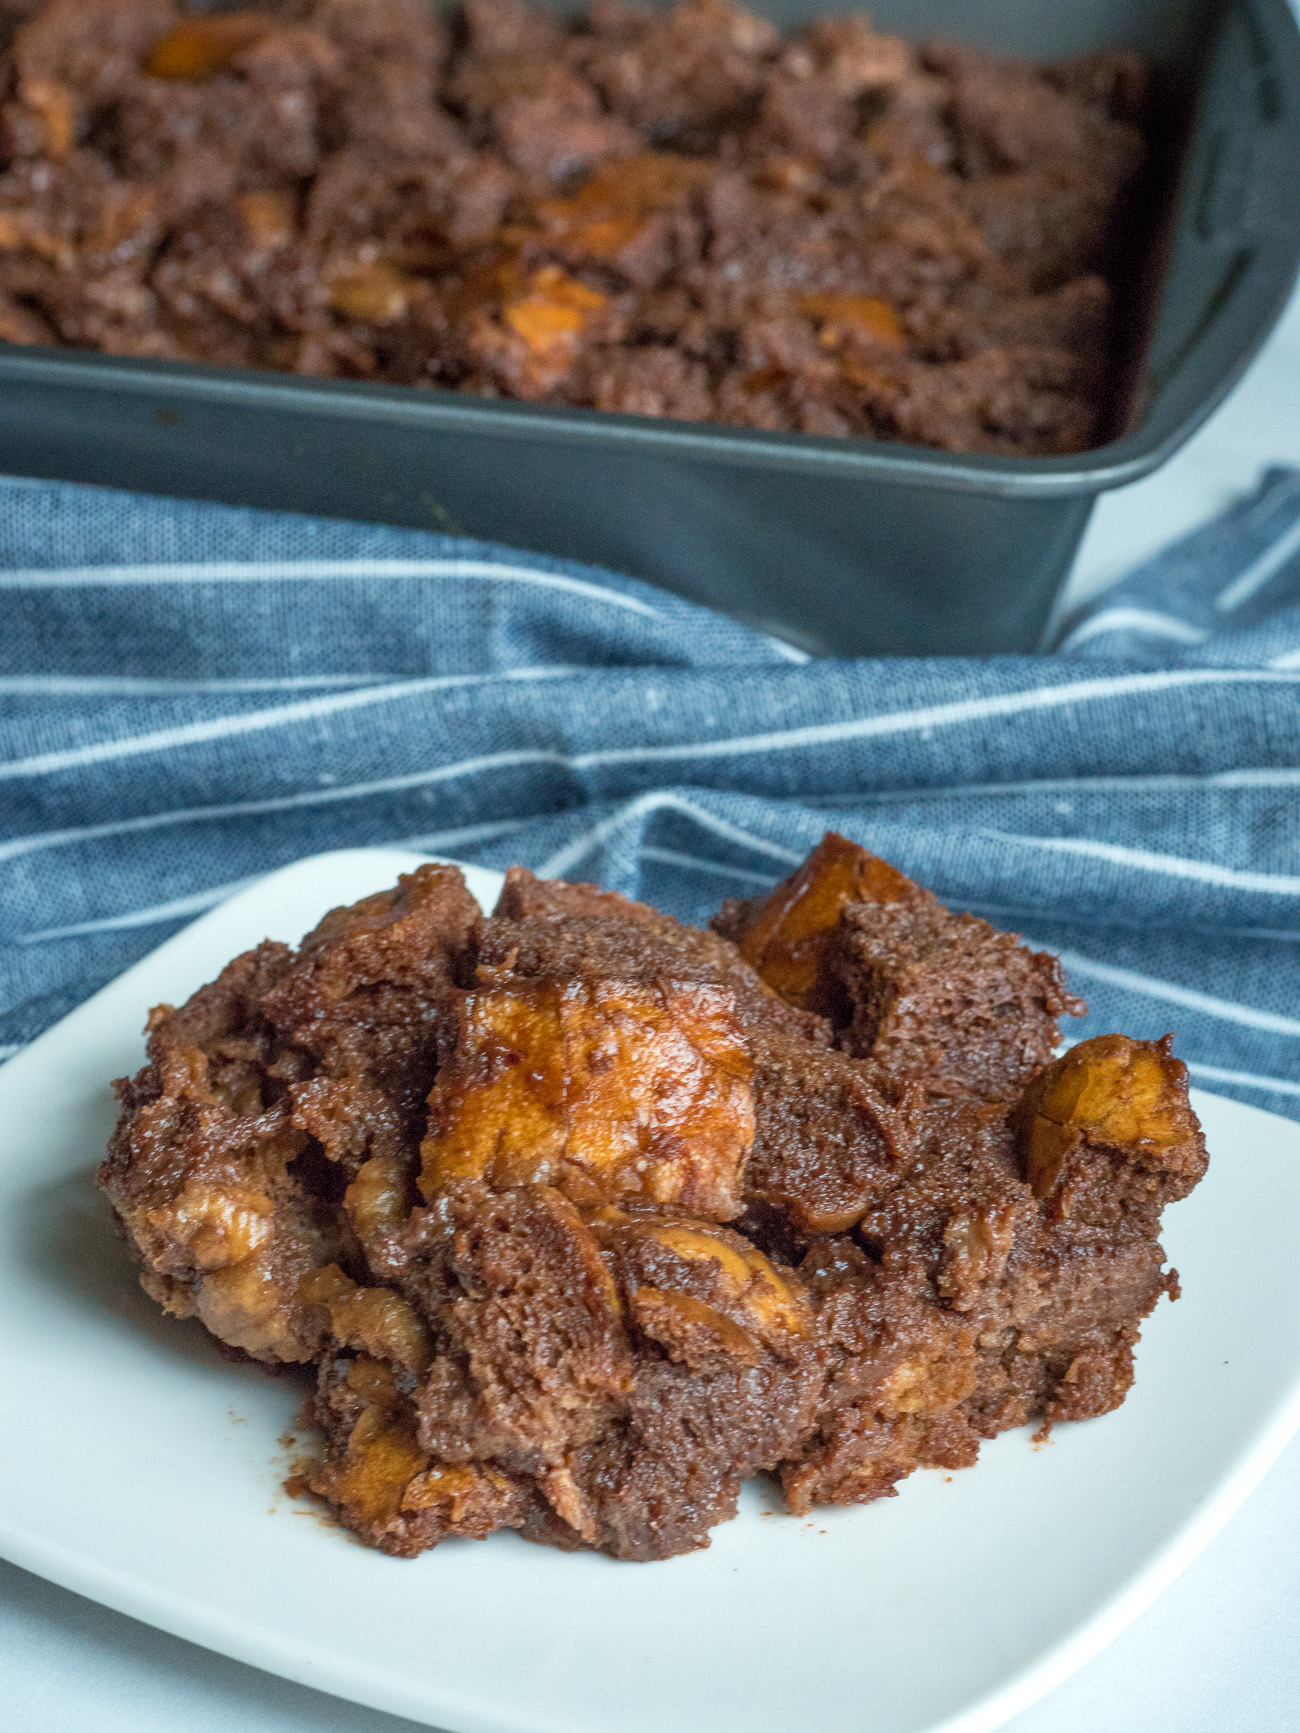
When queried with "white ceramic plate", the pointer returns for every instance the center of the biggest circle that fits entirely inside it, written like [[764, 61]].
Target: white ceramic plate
[[141, 1469]]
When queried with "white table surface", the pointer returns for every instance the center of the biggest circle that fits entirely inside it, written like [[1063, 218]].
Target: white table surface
[[1219, 1653]]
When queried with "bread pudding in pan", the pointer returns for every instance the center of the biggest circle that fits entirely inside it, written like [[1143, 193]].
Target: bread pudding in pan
[[682, 213]]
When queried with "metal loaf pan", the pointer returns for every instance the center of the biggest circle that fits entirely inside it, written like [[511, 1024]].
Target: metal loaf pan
[[846, 547]]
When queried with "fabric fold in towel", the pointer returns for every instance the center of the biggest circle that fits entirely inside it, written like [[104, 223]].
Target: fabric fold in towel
[[192, 695]]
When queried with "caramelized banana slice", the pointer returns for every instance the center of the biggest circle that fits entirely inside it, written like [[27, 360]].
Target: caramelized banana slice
[[700, 1290], [1116, 1111], [927, 1386], [456, 1490], [375, 1319], [769, 1302], [783, 938], [691, 1332], [604, 1089], [376, 1205], [867, 315], [200, 48], [552, 311], [377, 293]]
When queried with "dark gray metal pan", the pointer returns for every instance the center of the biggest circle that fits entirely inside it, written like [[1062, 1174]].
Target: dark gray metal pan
[[846, 547]]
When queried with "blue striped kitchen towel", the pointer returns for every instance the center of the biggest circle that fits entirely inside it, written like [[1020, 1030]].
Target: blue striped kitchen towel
[[191, 695]]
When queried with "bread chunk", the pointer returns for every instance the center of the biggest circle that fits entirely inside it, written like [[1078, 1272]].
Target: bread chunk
[[964, 1303], [939, 998], [266, 1092], [946, 999], [204, 1170], [636, 1364], [370, 992], [608, 1089], [1106, 1132], [785, 935]]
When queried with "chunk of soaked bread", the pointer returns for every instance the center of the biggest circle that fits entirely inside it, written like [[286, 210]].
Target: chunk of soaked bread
[[929, 996], [607, 1089]]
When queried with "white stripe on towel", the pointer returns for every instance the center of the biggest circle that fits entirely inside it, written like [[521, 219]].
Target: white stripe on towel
[[565, 859], [716, 868], [1247, 1015], [276, 571], [1174, 866], [1259, 571], [940, 715], [1247, 1079], [191, 905], [200, 733]]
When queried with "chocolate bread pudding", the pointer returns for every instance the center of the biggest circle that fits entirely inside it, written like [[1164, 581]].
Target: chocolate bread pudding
[[679, 212], [583, 1216]]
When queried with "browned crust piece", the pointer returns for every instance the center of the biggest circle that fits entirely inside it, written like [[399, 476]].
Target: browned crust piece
[[610, 1089]]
